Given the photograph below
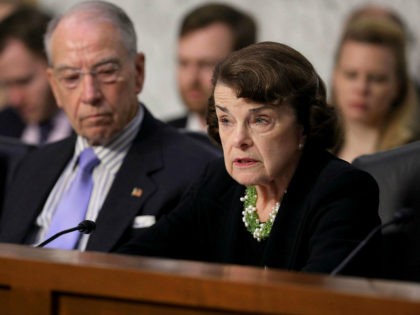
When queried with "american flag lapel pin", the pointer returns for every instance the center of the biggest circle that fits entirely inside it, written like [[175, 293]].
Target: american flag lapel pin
[[137, 192]]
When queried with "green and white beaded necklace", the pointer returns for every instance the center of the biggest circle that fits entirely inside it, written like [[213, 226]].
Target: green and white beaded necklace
[[250, 218]]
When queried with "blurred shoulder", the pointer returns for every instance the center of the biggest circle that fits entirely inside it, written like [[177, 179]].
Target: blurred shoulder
[[54, 148], [329, 171], [175, 141]]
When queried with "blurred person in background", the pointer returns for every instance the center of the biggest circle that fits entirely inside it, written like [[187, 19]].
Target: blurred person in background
[[383, 12], [31, 113], [6, 7], [372, 89], [207, 35]]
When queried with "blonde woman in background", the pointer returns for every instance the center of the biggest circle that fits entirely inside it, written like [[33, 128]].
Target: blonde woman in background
[[371, 88]]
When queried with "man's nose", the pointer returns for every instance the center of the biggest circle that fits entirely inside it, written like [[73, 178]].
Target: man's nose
[[91, 92], [191, 74]]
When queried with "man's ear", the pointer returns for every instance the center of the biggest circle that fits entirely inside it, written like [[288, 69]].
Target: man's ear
[[139, 69]]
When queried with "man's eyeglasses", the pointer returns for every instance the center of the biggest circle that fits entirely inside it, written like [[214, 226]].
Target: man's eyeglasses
[[105, 73]]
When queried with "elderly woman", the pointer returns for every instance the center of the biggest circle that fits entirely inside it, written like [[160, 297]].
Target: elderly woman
[[278, 199]]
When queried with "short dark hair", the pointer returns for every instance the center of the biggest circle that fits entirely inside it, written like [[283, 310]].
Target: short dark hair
[[276, 74], [28, 25], [243, 26]]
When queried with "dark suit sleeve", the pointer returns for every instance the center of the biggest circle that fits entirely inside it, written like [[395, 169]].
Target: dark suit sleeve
[[175, 235], [187, 231], [343, 215]]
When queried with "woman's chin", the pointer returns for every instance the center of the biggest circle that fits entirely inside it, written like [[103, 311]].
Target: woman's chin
[[246, 180]]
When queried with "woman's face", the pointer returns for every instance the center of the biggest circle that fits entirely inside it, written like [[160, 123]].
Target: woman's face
[[260, 142], [365, 82]]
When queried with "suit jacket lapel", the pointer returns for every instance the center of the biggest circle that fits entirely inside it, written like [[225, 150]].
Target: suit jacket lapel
[[19, 222], [122, 205]]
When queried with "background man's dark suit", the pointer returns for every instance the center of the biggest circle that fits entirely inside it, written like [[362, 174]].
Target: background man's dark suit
[[11, 125], [161, 162], [11, 151], [179, 123]]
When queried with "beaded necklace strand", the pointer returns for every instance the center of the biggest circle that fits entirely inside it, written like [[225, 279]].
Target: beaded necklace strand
[[250, 218]]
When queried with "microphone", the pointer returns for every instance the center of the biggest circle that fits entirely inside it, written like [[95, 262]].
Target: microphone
[[86, 227], [400, 216]]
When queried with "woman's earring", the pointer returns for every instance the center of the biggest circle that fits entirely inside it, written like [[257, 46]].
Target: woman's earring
[[300, 146]]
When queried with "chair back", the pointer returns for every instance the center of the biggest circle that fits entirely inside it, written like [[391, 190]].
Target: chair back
[[397, 173]]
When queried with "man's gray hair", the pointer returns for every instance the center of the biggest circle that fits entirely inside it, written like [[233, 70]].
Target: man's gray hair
[[99, 11]]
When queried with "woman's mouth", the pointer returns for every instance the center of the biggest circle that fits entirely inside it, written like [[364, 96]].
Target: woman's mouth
[[244, 162]]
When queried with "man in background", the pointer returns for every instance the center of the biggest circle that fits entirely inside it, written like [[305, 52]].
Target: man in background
[[31, 113], [207, 35], [7, 7]]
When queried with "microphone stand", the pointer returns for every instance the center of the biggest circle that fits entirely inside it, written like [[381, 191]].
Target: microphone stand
[[400, 216], [85, 227], [57, 235]]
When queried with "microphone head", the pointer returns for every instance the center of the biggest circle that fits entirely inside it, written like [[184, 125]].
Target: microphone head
[[403, 215], [86, 226]]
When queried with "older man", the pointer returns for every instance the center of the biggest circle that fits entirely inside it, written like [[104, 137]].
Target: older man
[[124, 169]]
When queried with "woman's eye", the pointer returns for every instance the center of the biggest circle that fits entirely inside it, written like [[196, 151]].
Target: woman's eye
[[262, 123], [223, 120], [378, 78], [261, 120]]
